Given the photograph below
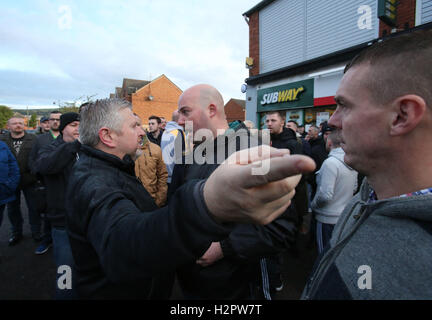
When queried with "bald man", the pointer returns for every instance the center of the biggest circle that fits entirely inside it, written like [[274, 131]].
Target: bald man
[[20, 144], [231, 267]]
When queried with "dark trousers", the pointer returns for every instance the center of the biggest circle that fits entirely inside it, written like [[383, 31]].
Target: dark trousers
[[15, 215], [1, 213], [46, 235]]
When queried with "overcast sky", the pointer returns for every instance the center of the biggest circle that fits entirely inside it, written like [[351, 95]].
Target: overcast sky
[[53, 51]]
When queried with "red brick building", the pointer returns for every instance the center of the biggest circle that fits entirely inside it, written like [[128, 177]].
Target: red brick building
[[235, 109], [158, 97]]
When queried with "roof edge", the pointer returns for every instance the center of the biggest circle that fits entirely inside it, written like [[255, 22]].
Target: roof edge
[[258, 7], [326, 60]]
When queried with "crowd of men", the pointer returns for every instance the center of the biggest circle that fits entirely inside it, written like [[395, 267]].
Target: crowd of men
[[125, 210]]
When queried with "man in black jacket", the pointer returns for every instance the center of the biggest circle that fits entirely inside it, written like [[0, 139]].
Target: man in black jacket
[[20, 143], [40, 192], [318, 149], [122, 244], [234, 265], [54, 163], [44, 126], [283, 137], [155, 132]]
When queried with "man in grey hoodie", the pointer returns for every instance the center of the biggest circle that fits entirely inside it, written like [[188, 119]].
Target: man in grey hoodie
[[336, 183], [173, 151], [381, 247]]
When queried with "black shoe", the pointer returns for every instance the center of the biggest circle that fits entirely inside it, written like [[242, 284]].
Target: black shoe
[[15, 239], [37, 237]]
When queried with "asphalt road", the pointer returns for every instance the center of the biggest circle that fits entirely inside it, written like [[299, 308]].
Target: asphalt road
[[27, 276], [23, 274]]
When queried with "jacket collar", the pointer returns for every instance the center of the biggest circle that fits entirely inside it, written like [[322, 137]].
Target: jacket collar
[[126, 164]]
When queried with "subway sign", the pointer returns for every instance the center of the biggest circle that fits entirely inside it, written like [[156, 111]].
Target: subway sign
[[292, 95]]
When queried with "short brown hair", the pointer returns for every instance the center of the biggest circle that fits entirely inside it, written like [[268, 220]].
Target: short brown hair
[[282, 115], [155, 118], [399, 65]]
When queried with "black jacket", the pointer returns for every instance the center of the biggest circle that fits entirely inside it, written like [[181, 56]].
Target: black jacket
[[40, 187], [319, 154], [318, 150], [54, 162], [156, 140], [27, 178], [287, 139], [40, 141], [230, 277], [123, 246]]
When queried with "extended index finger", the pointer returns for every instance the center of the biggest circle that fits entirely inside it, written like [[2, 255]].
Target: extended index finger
[[276, 168], [254, 154]]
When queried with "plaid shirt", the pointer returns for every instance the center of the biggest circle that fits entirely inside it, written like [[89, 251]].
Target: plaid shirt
[[373, 196]]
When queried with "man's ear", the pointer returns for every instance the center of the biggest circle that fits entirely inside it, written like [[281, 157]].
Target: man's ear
[[107, 137], [212, 110], [408, 110]]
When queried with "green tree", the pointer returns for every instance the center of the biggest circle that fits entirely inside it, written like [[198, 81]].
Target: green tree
[[5, 114], [68, 109], [33, 121]]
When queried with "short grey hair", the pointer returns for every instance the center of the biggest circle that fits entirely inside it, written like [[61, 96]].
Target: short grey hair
[[336, 138], [98, 114]]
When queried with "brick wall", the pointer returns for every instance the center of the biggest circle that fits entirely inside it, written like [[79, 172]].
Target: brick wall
[[254, 42], [233, 111], [405, 17], [165, 97]]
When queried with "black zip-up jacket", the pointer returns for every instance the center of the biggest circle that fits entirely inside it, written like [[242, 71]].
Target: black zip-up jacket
[[123, 246], [319, 154], [230, 277], [54, 162], [42, 139], [27, 178], [287, 139], [318, 150], [156, 140]]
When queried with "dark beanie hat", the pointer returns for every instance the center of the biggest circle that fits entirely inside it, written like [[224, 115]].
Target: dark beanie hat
[[67, 118], [326, 128]]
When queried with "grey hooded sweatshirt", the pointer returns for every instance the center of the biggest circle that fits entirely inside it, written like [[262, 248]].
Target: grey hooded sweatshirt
[[336, 183], [172, 131], [379, 250]]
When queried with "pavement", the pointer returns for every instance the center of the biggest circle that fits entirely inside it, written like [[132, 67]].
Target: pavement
[[27, 276], [23, 274]]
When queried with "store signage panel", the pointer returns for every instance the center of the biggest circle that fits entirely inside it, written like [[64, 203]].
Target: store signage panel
[[296, 115], [292, 95], [387, 11]]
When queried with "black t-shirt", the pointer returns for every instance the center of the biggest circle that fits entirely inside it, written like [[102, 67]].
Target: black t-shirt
[[17, 143]]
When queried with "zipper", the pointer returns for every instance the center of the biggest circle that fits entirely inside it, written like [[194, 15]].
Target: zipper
[[334, 252]]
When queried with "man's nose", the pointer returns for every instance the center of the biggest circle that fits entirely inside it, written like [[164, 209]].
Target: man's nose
[[181, 120], [334, 120]]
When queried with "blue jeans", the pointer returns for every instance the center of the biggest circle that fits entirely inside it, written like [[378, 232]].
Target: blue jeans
[[63, 256], [323, 234], [15, 215]]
